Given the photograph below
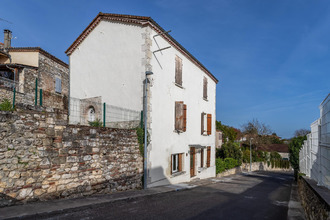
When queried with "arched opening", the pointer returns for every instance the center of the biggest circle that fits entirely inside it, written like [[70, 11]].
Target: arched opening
[[91, 113]]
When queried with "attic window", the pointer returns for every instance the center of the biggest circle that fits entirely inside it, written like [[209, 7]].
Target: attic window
[[58, 85]]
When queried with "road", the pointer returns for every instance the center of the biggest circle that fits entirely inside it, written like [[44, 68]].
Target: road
[[256, 196]]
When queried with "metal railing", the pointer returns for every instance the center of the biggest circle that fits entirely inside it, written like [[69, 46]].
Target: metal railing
[[93, 112], [314, 156]]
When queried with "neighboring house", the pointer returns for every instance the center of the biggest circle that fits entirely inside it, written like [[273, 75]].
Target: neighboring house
[[21, 67], [218, 139], [108, 63], [282, 149]]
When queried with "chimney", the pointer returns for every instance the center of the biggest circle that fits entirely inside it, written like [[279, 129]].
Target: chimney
[[7, 40]]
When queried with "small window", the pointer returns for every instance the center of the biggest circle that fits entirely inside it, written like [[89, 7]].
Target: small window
[[206, 124], [176, 163], [178, 70], [58, 85], [91, 114], [180, 116], [205, 88]]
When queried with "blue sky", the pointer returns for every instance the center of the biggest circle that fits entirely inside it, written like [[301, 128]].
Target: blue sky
[[272, 58]]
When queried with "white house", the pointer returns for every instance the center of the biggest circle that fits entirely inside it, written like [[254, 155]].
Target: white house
[[109, 60]]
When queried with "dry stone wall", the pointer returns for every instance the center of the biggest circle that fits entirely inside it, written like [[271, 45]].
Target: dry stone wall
[[42, 157]]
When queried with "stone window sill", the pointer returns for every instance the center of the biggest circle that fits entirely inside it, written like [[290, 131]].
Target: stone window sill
[[178, 85], [178, 173]]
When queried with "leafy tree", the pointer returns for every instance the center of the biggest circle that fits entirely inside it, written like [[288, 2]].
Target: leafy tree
[[228, 133], [231, 150], [294, 148], [301, 132]]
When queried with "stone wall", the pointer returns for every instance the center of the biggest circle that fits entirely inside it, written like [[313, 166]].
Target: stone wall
[[314, 199], [256, 166], [42, 157]]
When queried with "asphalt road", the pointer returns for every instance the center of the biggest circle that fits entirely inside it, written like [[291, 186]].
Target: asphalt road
[[256, 196]]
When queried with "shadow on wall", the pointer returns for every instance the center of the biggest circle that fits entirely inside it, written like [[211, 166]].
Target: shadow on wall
[[159, 177]]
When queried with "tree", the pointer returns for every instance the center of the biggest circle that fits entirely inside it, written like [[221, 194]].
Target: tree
[[255, 128], [294, 148], [228, 132], [301, 132]]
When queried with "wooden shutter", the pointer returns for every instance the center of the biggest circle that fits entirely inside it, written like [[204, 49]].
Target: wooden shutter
[[202, 123], [208, 161], [184, 117], [202, 157], [205, 88], [180, 162], [171, 163], [178, 70], [179, 116], [209, 124]]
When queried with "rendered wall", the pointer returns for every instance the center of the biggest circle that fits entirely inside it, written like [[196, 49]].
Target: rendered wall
[[163, 95]]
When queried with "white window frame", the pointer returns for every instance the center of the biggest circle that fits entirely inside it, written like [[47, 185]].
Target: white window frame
[[175, 163]]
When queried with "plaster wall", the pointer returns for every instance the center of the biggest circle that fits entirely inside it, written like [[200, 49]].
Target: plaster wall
[[108, 64], [26, 58], [163, 95]]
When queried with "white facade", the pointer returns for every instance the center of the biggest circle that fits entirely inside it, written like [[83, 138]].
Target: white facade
[[109, 60]]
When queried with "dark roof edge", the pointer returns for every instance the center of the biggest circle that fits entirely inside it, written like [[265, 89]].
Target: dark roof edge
[[40, 50], [101, 15]]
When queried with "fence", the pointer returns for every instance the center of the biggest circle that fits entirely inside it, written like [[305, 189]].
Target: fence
[[314, 156], [14, 92], [92, 111]]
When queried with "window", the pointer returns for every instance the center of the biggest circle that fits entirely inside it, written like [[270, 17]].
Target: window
[[58, 85], [176, 162], [178, 70], [205, 88], [180, 116], [202, 157], [208, 159], [91, 114], [206, 124]]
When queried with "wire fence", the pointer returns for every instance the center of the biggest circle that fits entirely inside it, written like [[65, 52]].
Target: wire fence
[[314, 156], [14, 92], [93, 112]]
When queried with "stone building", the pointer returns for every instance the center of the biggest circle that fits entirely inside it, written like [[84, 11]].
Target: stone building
[[29, 70]]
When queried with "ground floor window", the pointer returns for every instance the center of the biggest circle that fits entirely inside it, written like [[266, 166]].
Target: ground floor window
[[208, 160], [202, 157], [176, 163]]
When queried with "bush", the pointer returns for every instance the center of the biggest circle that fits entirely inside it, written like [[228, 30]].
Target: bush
[[220, 165], [140, 136], [97, 123], [230, 150], [5, 105], [230, 163]]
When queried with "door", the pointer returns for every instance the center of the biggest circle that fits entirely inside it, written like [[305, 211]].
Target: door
[[192, 161]]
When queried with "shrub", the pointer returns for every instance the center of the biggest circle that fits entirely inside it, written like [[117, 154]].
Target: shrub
[[231, 150], [220, 165], [140, 136], [5, 105], [230, 163], [96, 123]]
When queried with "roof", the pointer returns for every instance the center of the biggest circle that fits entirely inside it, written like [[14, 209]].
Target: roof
[[282, 148], [40, 50], [139, 20]]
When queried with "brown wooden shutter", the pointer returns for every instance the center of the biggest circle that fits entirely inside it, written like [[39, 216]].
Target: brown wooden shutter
[[184, 117], [171, 163], [205, 88], [179, 116], [180, 162], [202, 123], [178, 70], [209, 124], [202, 157], [208, 161]]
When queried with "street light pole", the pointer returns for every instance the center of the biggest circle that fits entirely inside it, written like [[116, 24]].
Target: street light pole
[[250, 156], [145, 169]]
